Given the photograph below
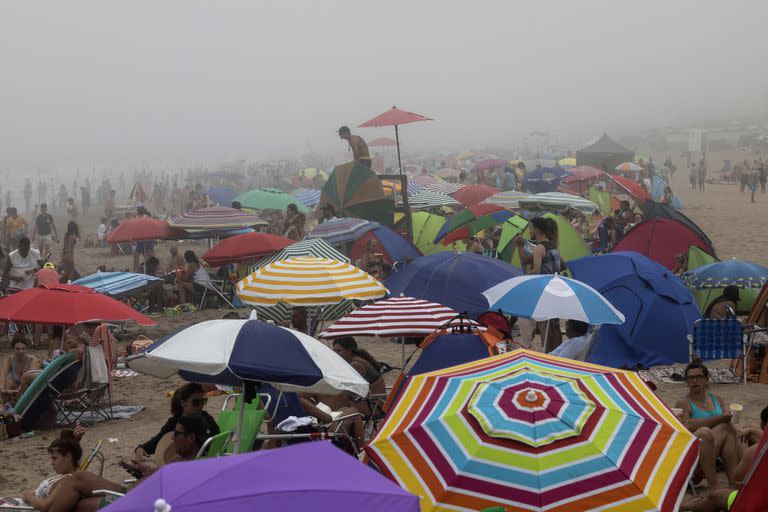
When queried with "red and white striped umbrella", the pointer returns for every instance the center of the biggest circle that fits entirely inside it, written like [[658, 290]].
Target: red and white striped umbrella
[[396, 317]]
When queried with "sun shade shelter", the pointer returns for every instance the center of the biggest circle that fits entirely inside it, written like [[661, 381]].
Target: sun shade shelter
[[605, 153]]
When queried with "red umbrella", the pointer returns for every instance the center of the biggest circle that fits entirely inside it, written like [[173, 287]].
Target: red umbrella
[[246, 247], [66, 304], [394, 117], [582, 173], [382, 141], [473, 194], [144, 228], [634, 189], [489, 163]]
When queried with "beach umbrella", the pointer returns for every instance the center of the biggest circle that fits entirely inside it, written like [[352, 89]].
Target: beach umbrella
[[393, 318], [354, 190], [309, 198], [392, 246], [308, 281], [221, 195], [456, 280], [142, 229], [66, 304], [215, 218], [525, 431], [631, 187], [447, 172], [469, 195], [544, 179], [707, 282], [395, 117], [426, 199], [543, 297], [345, 229], [444, 187], [570, 242], [305, 476], [137, 195], [268, 199], [628, 167], [557, 201], [489, 163], [580, 178], [117, 285], [244, 248], [382, 142], [507, 199], [470, 221], [658, 308], [569, 161], [424, 180], [661, 240], [425, 229]]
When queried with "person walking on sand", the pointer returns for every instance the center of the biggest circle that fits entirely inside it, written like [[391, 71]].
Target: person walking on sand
[[702, 175], [357, 145]]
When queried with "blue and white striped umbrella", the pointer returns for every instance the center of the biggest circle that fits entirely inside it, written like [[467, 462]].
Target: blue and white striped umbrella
[[343, 230], [117, 285], [543, 297]]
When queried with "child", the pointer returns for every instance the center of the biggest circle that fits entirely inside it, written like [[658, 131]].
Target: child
[[102, 232]]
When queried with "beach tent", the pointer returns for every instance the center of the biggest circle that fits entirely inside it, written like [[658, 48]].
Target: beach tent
[[657, 192], [391, 245], [137, 195], [571, 243], [658, 308], [653, 210], [708, 282], [354, 190], [604, 153], [661, 239], [425, 229], [544, 179], [698, 258]]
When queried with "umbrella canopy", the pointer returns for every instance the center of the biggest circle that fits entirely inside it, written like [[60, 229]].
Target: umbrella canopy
[[583, 173], [382, 142], [507, 199], [456, 280], [652, 210], [221, 195], [345, 229], [557, 201], [309, 198], [632, 188], [443, 187], [392, 246], [447, 172], [526, 431], [470, 221], [354, 190], [489, 163], [628, 167], [707, 282], [268, 199], [469, 195], [394, 117], [66, 304], [143, 228], [544, 179], [232, 351], [569, 161], [425, 228], [216, 218], [394, 317], [659, 310], [662, 239], [543, 297], [304, 476], [244, 248], [117, 285], [658, 188], [308, 281], [570, 242], [426, 199]]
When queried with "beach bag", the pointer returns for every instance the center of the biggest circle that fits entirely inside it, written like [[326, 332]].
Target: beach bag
[[140, 345]]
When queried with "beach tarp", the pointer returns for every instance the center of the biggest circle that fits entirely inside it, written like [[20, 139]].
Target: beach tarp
[[605, 153], [425, 228], [391, 245], [652, 210], [570, 243], [662, 239], [354, 190], [658, 307]]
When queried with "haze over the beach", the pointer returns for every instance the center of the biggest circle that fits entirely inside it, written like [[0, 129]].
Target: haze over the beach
[[109, 83]]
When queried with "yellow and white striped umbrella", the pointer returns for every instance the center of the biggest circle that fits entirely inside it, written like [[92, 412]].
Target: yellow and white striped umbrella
[[308, 281]]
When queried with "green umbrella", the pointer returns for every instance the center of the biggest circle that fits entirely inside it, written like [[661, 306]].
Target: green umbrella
[[601, 198], [570, 243], [268, 199], [425, 228], [354, 190]]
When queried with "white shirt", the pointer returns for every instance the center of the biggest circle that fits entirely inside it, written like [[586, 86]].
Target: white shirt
[[20, 266], [570, 348], [102, 231]]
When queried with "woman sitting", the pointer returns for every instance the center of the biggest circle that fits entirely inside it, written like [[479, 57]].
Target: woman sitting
[[15, 366], [195, 279], [189, 399], [362, 361], [724, 305], [706, 415]]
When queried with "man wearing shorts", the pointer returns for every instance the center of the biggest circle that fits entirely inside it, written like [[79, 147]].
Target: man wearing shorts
[[44, 230], [357, 145]]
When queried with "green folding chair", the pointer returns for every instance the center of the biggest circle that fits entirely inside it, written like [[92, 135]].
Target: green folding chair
[[216, 446], [253, 417]]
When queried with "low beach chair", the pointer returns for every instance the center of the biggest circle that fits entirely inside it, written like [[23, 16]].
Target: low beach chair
[[74, 400], [216, 446], [36, 401], [718, 339], [253, 417]]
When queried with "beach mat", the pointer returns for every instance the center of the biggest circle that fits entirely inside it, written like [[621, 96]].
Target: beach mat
[[118, 412], [677, 373]]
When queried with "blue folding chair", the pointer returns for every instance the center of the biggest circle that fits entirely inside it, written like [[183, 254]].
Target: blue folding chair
[[719, 339]]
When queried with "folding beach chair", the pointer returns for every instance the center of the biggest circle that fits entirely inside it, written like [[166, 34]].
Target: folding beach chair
[[75, 400], [216, 446], [718, 339], [253, 417], [216, 289]]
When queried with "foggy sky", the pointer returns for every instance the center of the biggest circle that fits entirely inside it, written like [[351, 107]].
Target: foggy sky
[[156, 82]]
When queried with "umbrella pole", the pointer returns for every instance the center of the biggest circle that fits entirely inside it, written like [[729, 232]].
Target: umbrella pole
[[402, 350], [544, 340], [240, 415], [399, 161]]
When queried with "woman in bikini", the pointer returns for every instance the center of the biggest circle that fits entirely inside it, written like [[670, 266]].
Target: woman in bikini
[[16, 365]]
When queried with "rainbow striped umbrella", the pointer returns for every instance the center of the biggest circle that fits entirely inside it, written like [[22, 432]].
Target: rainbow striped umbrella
[[527, 431], [308, 281], [628, 167], [396, 317]]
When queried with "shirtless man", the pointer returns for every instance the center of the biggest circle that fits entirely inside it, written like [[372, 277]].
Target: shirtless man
[[357, 145]]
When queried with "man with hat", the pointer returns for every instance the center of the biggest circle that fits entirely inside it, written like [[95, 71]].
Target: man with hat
[[357, 145]]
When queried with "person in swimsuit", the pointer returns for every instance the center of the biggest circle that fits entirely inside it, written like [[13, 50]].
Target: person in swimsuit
[[357, 145], [68, 272], [15, 366], [706, 415]]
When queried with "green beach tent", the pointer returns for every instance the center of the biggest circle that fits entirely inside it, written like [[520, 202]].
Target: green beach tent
[[425, 228], [572, 246]]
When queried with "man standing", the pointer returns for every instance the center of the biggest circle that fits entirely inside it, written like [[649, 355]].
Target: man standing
[[45, 229], [15, 228], [21, 265], [357, 145]]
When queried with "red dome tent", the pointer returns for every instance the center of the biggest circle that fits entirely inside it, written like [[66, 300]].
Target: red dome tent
[[661, 239]]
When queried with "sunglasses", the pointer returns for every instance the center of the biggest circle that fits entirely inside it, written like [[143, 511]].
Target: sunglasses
[[696, 378], [176, 434], [197, 402]]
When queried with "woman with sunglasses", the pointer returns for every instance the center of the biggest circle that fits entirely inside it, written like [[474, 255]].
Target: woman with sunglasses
[[706, 415], [189, 399]]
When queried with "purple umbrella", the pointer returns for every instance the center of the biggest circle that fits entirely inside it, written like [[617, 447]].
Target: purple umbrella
[[489, 163], [307, 476]]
